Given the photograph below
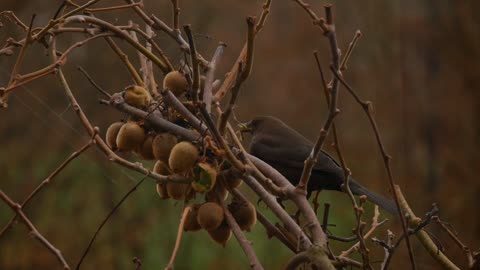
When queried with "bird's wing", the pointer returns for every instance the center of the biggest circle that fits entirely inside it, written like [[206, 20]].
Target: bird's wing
[[297, 155]]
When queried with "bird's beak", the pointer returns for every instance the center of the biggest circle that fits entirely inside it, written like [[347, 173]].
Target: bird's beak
[[245, 127]]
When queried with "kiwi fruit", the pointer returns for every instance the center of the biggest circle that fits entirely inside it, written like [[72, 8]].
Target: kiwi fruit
[[205, 177], [221, 234], [162, 191], [162, 145], [183, 157], [177, 191], [111, 135], [191, 223], [145, 150], [219, 192], [137, 96], [175, 82], [244, 213], [210, 216], [130, 136], [161, 167]]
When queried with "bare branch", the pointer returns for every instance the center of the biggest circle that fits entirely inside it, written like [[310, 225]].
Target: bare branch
[[98, 87], [194, 59], [33, 231], [106, 219], [185, 213], [176, 13], [351, 46], [210, 76], [424, 238], [366, 105], [47, 181], [232, 74]]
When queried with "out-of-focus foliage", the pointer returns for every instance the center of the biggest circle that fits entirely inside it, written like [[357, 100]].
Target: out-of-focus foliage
[[418, 62]]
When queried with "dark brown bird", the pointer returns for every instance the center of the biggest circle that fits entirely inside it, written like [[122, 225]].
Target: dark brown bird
[[286, 150]]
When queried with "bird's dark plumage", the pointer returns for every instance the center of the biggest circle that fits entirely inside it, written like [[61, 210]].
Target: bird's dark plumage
[[286, 150]]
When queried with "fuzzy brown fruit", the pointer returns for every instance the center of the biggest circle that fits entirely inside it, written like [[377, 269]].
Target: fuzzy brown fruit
[[244, 213], [137, 96], [162, 145], [162, 191], [111, 135], [210, 216], [221, 234], [175, 82], [130, 136], [219, 192], [191, 223], [183, 157], [145, 150], [177, 191], [161, 167]]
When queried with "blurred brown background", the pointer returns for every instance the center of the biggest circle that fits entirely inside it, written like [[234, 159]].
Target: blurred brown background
[[418, 62]]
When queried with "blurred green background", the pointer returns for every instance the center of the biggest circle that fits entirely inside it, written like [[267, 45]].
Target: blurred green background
[[418, 62]]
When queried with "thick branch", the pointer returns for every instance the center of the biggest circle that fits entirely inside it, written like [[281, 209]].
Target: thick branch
[[210, 76]]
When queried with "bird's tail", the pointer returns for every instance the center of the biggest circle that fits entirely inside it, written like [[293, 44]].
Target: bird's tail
[[373, 197]]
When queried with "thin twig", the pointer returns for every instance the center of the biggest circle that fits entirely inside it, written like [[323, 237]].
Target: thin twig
[[176, 13], [366, 106], [150, 75], [185, 213], [466, 250], [120, 33], [333, 109], [351, 46], [232, 74], [113, 7], [106, 219], [18, 63], [194, 59], [124, 58], [47, 181], [423, 236], [98, 87], [142, 59], [9, 14], [419, 226], [33, 231], [68, 15], [250, 48], [225, 115], [375, 225], [320, 22]]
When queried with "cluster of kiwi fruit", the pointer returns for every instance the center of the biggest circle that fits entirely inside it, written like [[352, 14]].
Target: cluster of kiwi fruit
[[210, 215], [132, 135], [185, 158]]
